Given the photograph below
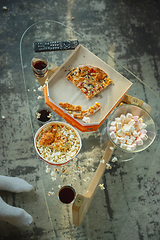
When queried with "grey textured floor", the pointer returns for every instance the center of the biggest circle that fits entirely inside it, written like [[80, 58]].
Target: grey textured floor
[[134, 29]]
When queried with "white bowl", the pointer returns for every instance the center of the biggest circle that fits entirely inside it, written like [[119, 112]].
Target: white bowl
[[67, 156]]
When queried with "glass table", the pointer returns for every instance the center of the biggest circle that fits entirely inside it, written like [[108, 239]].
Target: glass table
[[112, 206]]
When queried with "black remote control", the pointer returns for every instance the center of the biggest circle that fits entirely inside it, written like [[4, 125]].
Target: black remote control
[[55, 45]]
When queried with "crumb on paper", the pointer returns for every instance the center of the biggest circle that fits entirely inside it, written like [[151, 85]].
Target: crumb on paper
[[3, 117], [102, 186], [108, 166], [39, 97], [114, 159], [36, 80]]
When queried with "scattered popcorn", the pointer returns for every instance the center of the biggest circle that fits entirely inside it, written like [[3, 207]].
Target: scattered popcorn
[[128, 131], [41, 88], [114, 159], [51, 193], [90, 159], [74, 179], [86, 179], [92, 169], [102, 161], [47, 169], [108, 166], [3, 117], [50, 115], [102, 186], [39, 97], [28, 90], [5, 8], [54, 178], [38, 115], [59, 186], [112, 148]]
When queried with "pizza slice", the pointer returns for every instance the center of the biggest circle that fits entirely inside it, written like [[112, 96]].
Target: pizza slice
[[89, 80]]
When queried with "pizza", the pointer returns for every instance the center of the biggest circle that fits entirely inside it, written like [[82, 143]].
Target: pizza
[[70, 107], [78, 111], [89, 80]]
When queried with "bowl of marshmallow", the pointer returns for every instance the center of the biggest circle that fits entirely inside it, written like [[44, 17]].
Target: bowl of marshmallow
[[131, 128]]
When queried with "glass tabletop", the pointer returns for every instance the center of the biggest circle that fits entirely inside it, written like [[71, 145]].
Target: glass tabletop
[[116, 197]]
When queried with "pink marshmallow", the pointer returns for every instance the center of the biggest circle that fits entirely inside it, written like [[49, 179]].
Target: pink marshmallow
[[112, 129]]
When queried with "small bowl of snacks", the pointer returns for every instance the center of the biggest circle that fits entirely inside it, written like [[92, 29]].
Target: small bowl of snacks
[[57, 143], [131, 128]]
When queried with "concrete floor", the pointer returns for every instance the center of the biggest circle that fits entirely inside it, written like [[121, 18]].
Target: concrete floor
[[134, 28]]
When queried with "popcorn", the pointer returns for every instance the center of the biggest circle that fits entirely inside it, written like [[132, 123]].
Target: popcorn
[[39, 97], [51, 193], [108, 166], [114, 159], [102, 186], [128, 131], [112, 148], [102, 161]]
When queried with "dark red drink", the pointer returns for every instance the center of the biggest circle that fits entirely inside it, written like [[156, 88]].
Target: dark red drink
[[66, 194], [40, 65]]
